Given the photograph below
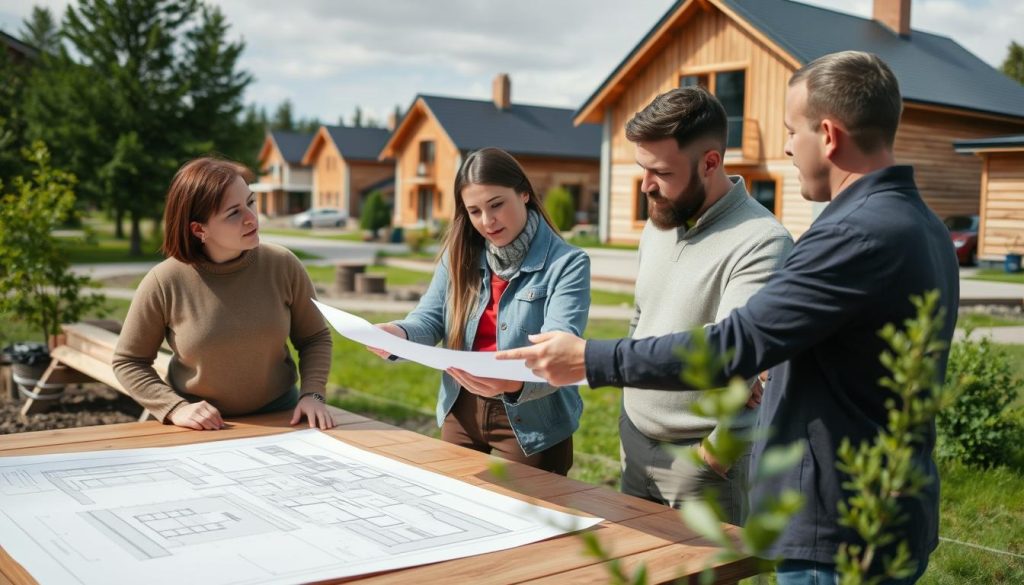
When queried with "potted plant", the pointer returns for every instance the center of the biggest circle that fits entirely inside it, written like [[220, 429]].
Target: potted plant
[[37, 286]]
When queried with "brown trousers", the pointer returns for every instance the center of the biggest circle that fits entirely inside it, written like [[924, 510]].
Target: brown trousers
[[482, 424]]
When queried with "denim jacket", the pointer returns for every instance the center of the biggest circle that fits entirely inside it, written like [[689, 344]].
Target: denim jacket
[[551, 292]]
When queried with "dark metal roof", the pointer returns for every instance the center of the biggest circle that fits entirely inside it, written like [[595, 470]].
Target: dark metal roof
[[994, 143], [291, 144], [931, 69], [518, 129], [18, 46], [358, 143], [386, 184]]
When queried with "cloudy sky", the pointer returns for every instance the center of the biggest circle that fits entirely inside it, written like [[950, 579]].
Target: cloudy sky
[[328, 56]]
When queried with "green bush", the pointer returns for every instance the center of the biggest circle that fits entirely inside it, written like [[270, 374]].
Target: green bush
[[982, 428], [560, 207], [417, 239], [376, 213]]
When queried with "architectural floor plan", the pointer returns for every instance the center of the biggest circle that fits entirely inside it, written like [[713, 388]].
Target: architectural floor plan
[[289, 508]]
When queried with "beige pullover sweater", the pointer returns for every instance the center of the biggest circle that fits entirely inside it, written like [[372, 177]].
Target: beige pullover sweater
[[691, 277], [227, 325]]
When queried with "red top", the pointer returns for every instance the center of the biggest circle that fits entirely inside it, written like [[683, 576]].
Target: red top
[[487, 331]]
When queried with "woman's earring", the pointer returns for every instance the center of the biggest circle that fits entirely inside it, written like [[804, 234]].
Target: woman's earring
[[202, 238]]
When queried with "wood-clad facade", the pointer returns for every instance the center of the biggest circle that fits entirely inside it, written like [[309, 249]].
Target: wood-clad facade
[[1001, 214], [339, 182], [281, 187], [705, 42], [427, 160]]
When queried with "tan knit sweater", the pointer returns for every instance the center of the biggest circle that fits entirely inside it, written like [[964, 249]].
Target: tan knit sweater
[[227, 325]]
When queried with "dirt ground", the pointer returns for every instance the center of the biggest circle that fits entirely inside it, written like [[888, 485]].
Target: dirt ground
[[90, 404]]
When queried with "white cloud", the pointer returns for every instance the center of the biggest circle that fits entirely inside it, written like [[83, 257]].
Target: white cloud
[[328, 56]]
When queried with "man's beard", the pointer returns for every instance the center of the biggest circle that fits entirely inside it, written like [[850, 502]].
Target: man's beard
[[673, 214]]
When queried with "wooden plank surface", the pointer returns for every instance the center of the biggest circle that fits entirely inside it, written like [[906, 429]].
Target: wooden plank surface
[[634, 531]]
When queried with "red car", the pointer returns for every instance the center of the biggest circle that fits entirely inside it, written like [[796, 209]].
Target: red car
[[963, 229]]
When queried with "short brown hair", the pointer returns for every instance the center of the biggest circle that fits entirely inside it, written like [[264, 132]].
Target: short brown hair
[[195, 194], [685, 114], [859, 90]]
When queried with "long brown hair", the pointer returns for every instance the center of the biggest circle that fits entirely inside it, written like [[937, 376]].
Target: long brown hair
[[487, 166]]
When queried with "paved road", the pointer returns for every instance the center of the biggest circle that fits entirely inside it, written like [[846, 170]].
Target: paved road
[[611, 269]]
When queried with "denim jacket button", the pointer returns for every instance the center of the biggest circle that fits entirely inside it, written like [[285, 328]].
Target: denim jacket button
[[504, 326]]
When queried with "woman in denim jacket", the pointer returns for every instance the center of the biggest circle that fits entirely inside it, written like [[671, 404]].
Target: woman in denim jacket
[[504, 274]]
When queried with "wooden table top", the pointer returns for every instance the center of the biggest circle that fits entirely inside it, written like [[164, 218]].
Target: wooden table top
[[634, 531]]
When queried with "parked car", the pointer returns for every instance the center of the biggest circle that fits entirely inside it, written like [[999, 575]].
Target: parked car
[[320, 217], [963, 229]]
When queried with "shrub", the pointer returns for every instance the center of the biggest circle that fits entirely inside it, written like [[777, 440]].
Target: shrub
[[982, 427], [376, 214], [560, 207], [417, 239]]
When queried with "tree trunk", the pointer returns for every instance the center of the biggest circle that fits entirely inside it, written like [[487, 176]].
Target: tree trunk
[[136, 240], [118, 224]]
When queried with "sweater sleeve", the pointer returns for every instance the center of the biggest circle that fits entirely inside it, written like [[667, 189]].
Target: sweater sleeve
[[309, 332], [144, 330]]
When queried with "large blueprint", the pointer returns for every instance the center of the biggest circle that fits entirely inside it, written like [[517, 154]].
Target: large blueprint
[[289, 508]]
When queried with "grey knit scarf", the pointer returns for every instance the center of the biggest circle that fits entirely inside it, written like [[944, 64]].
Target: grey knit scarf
[[506, 260]]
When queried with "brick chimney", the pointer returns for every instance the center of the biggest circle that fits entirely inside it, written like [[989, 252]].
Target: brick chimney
[[894, 14], [502, 90]]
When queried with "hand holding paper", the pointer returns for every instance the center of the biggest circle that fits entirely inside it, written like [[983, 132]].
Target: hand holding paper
[[478, 363]]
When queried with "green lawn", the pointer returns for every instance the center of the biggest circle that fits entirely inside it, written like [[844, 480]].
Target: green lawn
[[324, 275], [356, 236], [975, 320], [999, 276], [593, 242], [982, 507]]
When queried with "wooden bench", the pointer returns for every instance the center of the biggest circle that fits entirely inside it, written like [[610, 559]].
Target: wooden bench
[[85, 353]]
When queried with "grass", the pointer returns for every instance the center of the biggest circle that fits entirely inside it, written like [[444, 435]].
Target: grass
[[356, 236], [594, 242], [975, 320], [981, 507], [324, 275], [998, 276]]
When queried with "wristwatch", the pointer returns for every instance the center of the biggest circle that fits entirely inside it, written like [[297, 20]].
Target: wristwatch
[[316, 396]]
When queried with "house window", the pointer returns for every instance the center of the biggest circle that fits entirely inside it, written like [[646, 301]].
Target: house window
[[730, 89], [763, 190], [425, 203], [693, 81], [639, 203], [427, 151]]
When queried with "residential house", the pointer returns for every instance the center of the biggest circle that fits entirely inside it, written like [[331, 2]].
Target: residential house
[[345, 166], [1001, 214], [436, 134], [745, 51], [17, 51], [285, 184]]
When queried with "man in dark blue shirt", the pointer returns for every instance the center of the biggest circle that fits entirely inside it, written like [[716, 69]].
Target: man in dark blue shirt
[[816, 322]]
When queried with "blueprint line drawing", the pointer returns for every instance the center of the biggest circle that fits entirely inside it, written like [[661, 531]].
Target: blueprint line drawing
[[289, 508]]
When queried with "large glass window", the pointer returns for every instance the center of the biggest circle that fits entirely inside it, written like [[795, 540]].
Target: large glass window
[[730, 89]]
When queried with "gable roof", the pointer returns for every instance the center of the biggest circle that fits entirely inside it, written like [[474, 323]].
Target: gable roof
[[518, 129], [358, 143], [18, 47], [291, 144], [994, 144], [931, 69]]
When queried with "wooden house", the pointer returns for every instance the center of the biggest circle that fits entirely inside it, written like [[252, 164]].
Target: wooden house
[[284, 184], [346, 168], [1001, 213], [436, 133], [745, 51]]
